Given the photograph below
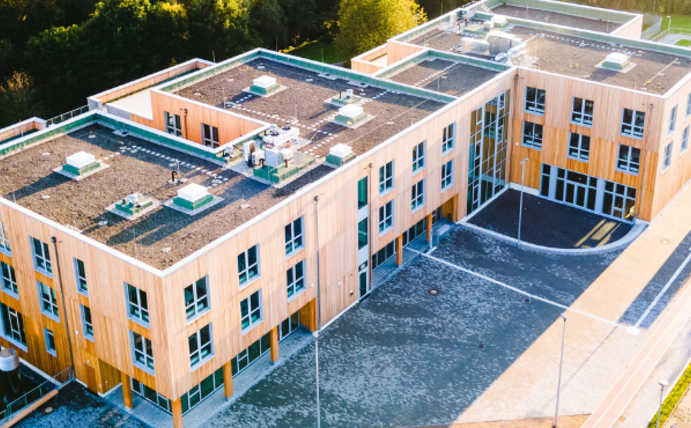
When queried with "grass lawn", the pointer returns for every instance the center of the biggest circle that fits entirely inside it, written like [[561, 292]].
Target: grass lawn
[[678, 21], [318, 51], [685, 43]]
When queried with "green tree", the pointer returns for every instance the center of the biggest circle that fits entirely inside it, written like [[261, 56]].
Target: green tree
[[268, 23], [220, 27], [19, 99], [366, 24]]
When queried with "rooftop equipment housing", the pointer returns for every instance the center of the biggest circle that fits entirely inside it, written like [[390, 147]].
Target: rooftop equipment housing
[[81, 163], [134, 204], [345, 99], [351, 116], [283, 137], [617, 61], [192, 197], [340, 154], [265, 86]]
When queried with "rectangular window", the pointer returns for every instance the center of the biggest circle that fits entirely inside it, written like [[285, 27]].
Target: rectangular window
[[385, 217], [209, 136], [12, 325], [137, 304], [4, 240], [532, 135], [143, 352], [579, 147], [672, 120], [251, 311], [248, 266], [582, 111], [87, 322], [151, 395], [535, 101], [668, 156], [684, 140], [294, 241], [386, 178], [688, 105], [250, 354], [80, 274], [197, 298], [619, 200], [201, 346], [447, 142], [447, 175], [295, 278], [9, 280], [362, 234], [419, 157], [49, 301], [362, 197], [417, 195], [173, 124], [41, 257], [50, 342], [629, 159], [632, 123], [200, 391]]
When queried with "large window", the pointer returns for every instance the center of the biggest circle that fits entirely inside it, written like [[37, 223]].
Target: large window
[[210, 136], [137, 304], [295, 278], [362, 234], [383, 255], [8, 280], [143, 352], [49, 301], [532, 135], [667, 161], [386, 178], [251, 311], [362, 191], [447, 175], [200, 346], [417, 195], [173, 124], [629, 159], [151, 395], [684, 140], [248, 266], [12, 325], [535, 100], [4, 240], [50, 342], [582, 111], [672, 120], [632, 123], [201, 390], [41, 257], [619, 200], [80, 275], [419, 157], [197, 298], [294, 241], [250, 354], [87, 322], [447, 142], [386, 217], [579, 147]]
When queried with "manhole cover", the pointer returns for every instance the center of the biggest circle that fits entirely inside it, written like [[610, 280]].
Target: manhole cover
[[481, 346], [48, 410], [433, 292]]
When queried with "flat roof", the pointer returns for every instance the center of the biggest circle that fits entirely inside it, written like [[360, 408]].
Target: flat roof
[[556, 18], [159, 238], [303, 104], [441, 75]]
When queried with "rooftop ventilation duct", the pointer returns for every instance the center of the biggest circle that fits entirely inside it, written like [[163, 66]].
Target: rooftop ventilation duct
[[617, 61], [133, 206], [193, 197], [340, 154], [347, 98], [265, 86], [80, 165], [499, 21], [352, 116]]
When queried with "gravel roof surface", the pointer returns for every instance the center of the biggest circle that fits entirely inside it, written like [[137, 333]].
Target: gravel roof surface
[[445, 76], [556, 18], [305, 98], [82, 204]]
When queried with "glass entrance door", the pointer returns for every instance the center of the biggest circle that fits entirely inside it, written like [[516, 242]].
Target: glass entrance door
[[363, 280]]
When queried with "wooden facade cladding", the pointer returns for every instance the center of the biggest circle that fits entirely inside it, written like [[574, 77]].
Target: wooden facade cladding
[[397, 51]]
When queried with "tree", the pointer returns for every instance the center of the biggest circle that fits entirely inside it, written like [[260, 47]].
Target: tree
[[220, 27], [366, 24], [268, 23], [19, 99]]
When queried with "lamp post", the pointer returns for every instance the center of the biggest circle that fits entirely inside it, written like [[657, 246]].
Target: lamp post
[[520, 206], [662, 383], [669, 24], [561, 362]]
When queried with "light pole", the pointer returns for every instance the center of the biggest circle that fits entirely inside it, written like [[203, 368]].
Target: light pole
[[669, 24], [520, 206], [319, 310], [662, 383], [561, 362]]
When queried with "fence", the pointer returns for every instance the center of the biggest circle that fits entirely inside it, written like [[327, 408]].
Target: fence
[[65, 116], [655, 25], [36, 394], [669, 31]]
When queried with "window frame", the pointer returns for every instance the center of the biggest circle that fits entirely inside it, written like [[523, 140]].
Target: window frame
[[5, 246], [581, 116], [176, 127], [11, 277], [290, 229], [48, 299], [579, 147], [249, 280], [146, 353], [684, 140], [20, 330], [672, 123], [533, 103], [386, 178], [197, 335], [195, 286], [383, 218], [629, 160], [87, 324], [533, 144], [667, 157], [251, 311], [417, 196], [448, 141], [44, 257], [688, 105], [293, 285], [632, 124], [418, 157], [143, 308], [82, 283], [212, 140], [50, 348], [447, 177]]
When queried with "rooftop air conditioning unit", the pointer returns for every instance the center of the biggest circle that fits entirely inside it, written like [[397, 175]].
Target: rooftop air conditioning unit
[[273, 158], [279, 138]]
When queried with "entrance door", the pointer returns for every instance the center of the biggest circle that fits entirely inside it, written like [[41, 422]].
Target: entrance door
[[575, 194], [363, 280]]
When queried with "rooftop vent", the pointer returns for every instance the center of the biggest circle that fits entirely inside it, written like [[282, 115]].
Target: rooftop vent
[[499, 21], [265, 86], [133, 206], [617, 61], [345, 98], [80, 165], [193, 199], [340, 154], [352, 116], [281, 137]]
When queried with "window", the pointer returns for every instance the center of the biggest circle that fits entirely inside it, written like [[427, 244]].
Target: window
[[632, 123], [151, 395], [173, 124], [447, 142], [629, 159], [8, 280], [668, 156], [582, 111], [385, 217], [362, 197], [143, 352], [294, 241], [419, 157], [288, 326], [4, 240], [87, 323], [385, 178], [684, 140], [248, 266], [688, 105], [12, 325], [137, 304], [200, 391], [447, 175], [579, 147], [532, 135], [80, 274], [619, 200], [362, 234], [201, 346], [250, 354], [197, 298], [417, 195], [535, 101], [209, 136], [41, 257], [50, 342], [295, 277], [672, 120], [251, 311], [49, 301]]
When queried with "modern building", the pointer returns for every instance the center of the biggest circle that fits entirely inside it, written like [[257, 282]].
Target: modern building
[[178, 231]]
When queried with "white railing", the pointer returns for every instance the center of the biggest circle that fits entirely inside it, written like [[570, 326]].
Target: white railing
[[655, 22], [58, 381], [669, 31], [66, 116]]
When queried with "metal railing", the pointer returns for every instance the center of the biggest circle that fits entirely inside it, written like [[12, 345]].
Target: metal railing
[[66, 116], [669, 31], [655, 22], [58, 381]]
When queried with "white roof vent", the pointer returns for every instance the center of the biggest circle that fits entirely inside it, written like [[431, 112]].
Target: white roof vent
[[264, 82], [193, 192], [81, 159], [265, 86], [350, 111], [340, 154], [192, 199], [81, 165], [352, 116], [617, 61]]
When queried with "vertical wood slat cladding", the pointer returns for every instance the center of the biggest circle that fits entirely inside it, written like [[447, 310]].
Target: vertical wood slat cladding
[[15, 131], [631, 29], [364, 66], [396, 51]]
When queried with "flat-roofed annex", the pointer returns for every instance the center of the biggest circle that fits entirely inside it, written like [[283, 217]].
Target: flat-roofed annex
[[557, 18]]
